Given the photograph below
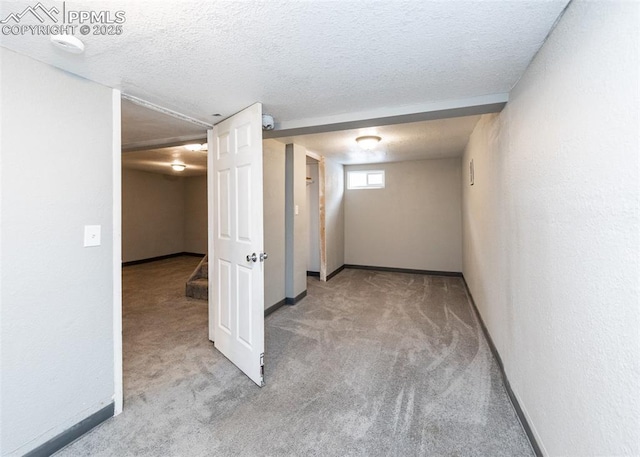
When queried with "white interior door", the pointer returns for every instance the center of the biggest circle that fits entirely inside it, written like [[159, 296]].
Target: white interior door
[[236, 279]]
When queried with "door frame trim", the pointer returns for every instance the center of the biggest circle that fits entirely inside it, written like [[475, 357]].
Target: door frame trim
[[116, 229], [322, 230]]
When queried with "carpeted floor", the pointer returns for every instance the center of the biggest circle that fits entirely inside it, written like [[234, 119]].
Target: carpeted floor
[[368, 364]]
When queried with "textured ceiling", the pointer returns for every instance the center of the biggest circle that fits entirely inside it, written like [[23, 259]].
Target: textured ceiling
[[303, 59], [417, 140], [142, 127]]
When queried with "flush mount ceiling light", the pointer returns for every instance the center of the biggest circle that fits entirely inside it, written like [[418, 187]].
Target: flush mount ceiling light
[[196, 147], [177, 166], [368, 142], [68, 43]]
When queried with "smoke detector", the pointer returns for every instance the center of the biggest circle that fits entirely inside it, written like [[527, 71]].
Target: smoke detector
[[68, 43]]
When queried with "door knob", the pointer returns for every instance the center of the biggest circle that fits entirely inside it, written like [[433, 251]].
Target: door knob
[[264, 256], [252, 257]]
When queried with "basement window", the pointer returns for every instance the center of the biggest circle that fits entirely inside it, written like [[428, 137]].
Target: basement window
[[365, 179]]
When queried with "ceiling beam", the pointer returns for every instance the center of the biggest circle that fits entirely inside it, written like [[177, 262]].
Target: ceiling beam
[[164, 143], [388, 116]]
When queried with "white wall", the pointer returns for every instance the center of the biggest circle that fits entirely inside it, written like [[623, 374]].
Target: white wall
[[274, 227], [334, 215], [195, 214], [551, 233], [414, 222], [162, 214], [56, 318], [152, 215], [313, 218]]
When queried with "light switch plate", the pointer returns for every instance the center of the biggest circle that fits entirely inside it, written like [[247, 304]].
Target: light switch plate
[[91, 235]]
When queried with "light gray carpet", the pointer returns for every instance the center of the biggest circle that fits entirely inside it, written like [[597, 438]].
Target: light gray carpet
[[368, 364]]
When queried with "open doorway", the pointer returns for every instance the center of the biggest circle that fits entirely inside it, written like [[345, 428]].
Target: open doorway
[[164, 242], [175, 208], [313, 215]]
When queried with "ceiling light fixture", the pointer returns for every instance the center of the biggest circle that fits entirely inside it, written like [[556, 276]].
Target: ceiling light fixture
[[368, 142], [177, 166], [195, 147], [68, 43]]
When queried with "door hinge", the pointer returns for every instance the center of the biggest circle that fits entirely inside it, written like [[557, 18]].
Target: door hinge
[[262, 369]]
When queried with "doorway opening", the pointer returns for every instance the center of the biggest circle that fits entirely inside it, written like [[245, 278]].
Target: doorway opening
[[313, 215], [164, 241]]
